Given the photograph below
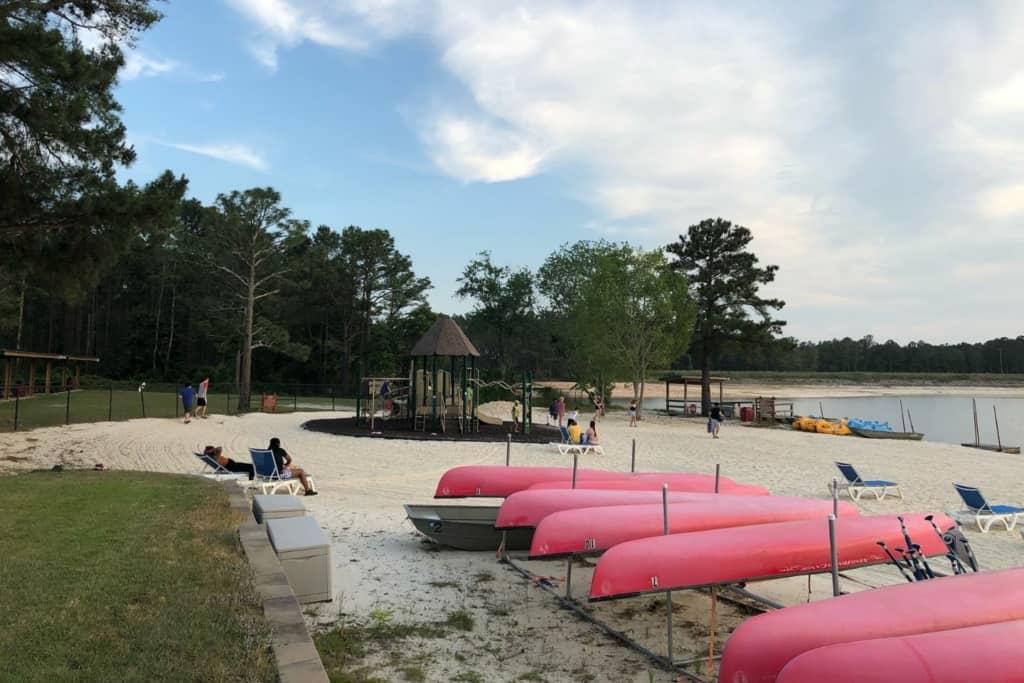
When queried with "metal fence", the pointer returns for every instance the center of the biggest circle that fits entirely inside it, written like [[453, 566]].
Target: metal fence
[[29, 408]]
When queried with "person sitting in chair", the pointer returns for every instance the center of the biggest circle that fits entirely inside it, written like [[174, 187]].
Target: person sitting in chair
[[591, 438], [284, 466], [217, 453], [575, 432]]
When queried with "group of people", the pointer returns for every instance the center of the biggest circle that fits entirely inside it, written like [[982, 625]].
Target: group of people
[[557, 411], [195, 399], [283, 460]]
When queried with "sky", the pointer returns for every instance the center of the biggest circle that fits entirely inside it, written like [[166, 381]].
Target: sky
[[874, 149]]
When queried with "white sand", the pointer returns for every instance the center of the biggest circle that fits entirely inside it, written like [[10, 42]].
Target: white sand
[[382, 565]]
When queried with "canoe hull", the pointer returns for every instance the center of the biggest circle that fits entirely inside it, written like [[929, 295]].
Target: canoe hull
[[648, 482], [993, 447], [527, 508], [753, 553], [596, 530], [762, 645], [988, 653], [879, 434], [465, 527], [496, 481]]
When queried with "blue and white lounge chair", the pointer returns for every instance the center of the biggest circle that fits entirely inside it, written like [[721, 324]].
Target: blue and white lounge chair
[[214, 470], [856, 486], [984, 514], [267, 478], [569, 446]]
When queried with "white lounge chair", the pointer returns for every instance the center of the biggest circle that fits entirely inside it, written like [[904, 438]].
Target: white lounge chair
[[568, 446], [986, 515], [214, 470], [268, 479], [857, 487]]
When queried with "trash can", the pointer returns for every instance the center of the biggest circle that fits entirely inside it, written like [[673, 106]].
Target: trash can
[[276, 507], [305, 555], [746, 414]]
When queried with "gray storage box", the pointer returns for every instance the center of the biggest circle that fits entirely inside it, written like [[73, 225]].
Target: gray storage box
[[276, 507], [305, 555]]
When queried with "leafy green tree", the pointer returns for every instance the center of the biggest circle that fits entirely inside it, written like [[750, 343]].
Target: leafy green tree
[[630, 311], [504, 300], [61, 137], [725, 278]]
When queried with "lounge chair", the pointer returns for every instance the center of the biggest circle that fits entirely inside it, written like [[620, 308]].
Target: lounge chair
[[569, 446], [214, 470], [856, 486], [984, 514], [267, 478]]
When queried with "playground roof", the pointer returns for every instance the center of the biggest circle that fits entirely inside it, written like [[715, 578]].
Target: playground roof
[[444, 338]]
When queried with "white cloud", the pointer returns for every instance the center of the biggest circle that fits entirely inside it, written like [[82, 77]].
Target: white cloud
[[233, 153], [862, 144], [139, 65]]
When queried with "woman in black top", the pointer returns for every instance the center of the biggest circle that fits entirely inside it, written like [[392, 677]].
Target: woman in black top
[[284, 466], [717, 417]]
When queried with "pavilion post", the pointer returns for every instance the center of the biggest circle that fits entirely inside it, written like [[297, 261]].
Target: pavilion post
[[433, 392], [49, 374], [720, 391], [465, 397], [7, 378], [686, 393], [666, 397], [64, 375], [31, 376]]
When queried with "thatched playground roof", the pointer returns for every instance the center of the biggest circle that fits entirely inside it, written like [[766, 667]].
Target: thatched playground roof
[[444, 338]]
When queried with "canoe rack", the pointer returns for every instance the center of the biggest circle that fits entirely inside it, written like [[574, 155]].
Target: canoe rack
[[735, 595]]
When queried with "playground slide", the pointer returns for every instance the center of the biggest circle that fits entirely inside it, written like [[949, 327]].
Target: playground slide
[[487, 418]]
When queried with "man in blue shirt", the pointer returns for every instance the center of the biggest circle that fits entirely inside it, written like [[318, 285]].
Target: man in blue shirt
[[188, 399]]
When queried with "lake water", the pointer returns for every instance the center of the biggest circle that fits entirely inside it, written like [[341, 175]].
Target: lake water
[[942, 418]]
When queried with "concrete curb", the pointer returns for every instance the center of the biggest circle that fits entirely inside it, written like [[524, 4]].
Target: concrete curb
[[296, 656]]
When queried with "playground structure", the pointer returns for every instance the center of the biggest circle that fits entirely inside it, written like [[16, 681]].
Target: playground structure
[[443, 384], [12, 385]]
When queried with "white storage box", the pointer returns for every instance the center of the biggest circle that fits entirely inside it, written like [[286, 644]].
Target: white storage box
[[305, 555], [276, 507]]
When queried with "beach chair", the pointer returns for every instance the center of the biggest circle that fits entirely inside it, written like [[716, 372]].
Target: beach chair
[[856, 486], [214, 470], [267, 478], [986, 515]]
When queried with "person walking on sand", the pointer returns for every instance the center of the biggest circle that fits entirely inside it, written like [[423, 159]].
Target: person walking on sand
[[188, 399], [284, 466], [632, 413], [561, 410], [715, 420], [515, 415], [204, 387]]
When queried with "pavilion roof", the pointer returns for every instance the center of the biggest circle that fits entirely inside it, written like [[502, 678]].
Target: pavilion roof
[[444, 338]]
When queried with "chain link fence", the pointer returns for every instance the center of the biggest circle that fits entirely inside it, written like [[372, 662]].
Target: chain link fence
[[115, 401]]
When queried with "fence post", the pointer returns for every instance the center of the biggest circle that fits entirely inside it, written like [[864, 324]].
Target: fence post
[[175, 405], [110, 403], [17, 398], [142, 397], [332, 399], [67, 407], [227, 408], [295, 399]]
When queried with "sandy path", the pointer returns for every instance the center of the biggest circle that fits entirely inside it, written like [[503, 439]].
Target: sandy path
[[383, 567]]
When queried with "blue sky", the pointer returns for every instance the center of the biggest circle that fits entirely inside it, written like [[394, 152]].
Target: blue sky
[[876, 150]]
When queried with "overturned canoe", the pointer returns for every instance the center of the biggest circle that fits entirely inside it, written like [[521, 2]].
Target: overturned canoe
[[498, 482], [761, 646], [465, 527], [528, 508], [595, 530], [993, 447], [751, 553], [651, 482], [989, 653], [883, 434]]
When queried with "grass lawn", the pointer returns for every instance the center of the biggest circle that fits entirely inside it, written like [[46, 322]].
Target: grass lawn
[[119, 576], [98, 405]]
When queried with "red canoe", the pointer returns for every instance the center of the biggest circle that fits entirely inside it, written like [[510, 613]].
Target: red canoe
[[495, 481], [528, 508], [750, 553], [762, 645], [989, 653], [598, 529], [695, 483]]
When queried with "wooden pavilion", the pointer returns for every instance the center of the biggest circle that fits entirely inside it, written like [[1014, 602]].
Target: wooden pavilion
[[687, 381], [12, 357]]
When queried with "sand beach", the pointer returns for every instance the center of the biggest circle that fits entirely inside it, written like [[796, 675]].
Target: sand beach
[[384, 569]]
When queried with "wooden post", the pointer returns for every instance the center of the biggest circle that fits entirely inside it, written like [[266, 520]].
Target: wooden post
[[720, 390], [7, 378], [49, 373], [64, 376], [686, 387], [77, 376], [31, 376], [666, 396]]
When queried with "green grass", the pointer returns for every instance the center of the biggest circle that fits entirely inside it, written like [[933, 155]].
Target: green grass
[[117, 576], [99, 405]]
